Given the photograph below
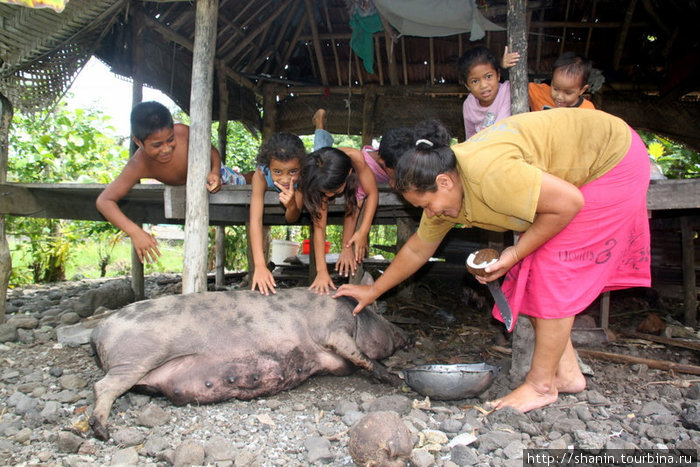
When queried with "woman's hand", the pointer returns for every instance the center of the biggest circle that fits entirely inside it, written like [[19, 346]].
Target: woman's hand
[[322, 284], [500, 268], [264, 280], [362, 293]]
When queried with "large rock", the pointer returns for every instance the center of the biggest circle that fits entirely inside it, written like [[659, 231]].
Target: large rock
[[113, 295]]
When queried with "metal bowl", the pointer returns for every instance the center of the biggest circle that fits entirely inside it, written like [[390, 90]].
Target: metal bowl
[[451, 382]]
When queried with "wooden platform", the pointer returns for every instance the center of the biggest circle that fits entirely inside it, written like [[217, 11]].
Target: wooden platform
[[673, 204]]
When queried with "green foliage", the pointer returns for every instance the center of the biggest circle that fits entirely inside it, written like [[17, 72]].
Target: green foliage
[[675, 160], [54, 147]]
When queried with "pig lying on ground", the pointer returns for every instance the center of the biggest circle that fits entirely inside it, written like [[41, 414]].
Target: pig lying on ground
[[214, 346]]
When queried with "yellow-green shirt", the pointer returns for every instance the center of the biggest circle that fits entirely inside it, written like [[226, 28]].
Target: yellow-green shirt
[[501, 167]]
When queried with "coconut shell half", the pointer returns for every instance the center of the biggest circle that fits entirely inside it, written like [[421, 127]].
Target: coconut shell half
[[479, 260]]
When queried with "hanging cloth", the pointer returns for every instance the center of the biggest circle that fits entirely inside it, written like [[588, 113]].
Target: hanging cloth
[[362, 41], [435, 18], [56, 5]]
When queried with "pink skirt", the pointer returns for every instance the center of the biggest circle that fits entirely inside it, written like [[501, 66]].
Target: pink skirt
[[605, 247]]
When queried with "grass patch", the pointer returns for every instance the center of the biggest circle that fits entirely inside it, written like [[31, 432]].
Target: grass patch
[[84, 261]]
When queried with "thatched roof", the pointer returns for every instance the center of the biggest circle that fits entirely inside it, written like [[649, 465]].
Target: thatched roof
[[299, 51]]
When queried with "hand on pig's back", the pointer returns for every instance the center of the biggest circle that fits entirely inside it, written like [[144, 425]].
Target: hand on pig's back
[[361, 293]]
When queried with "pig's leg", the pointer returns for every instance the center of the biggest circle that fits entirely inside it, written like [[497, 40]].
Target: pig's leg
[[344, 346], [114, 384]]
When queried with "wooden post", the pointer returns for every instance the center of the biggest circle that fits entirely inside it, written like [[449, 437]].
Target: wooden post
[[194, 273], [368, 110], [517, 40], [5, 257], [690, 299], [137, 279], [523, 335], [220, 236]]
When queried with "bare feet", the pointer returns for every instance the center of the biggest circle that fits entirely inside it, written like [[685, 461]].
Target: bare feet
[[571, 382], [319, 119], [526, 397]]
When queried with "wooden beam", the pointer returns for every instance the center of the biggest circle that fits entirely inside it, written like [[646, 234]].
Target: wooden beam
[[333, 44], [245, 43], [317, 43], [431, 52], [184, 42], [590, 29], [292, 44], [194, 272], [622, 37], [378, 55]]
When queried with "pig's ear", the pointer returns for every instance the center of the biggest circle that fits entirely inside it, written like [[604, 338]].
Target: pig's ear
[[367, 279]]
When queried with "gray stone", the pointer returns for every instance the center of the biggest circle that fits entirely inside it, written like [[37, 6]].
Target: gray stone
[[25, 336], [665, 432], [568, 425], [514, 450], [128, 436], [318, 449], [352, 417], [8, 333], [493, 440], [345, 406], [653, 408], [451, 425], [23, 321], [189, 453], [50, 412], [245, 458], [594, 397], [590, 440], [395, 403], [112, 294], [68, 442], [155, 445], [153, 415], [69, 318], [73, 336], [507, 416], [125, 457], [72, 382], [462, 455], [219, 449], [422, 458], [25, 404]]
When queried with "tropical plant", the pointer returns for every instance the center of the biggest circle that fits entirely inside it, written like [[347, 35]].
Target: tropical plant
[[674, 159], [57, 146]]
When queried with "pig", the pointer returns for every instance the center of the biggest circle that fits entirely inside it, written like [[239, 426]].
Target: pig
[[210, 347]]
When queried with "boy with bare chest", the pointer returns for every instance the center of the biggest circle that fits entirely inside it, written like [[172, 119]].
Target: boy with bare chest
[[162, 155]]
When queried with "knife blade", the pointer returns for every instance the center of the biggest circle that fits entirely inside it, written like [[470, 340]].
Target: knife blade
[[502, 302]]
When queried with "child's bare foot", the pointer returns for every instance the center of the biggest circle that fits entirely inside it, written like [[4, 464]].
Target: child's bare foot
[[526, 397], [319, 119]]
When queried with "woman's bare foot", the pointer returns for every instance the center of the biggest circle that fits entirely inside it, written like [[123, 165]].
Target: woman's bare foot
[[525, 397], [571, 381], [319, 119]]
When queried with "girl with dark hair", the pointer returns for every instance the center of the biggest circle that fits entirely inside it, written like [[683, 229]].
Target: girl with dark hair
[[573, 183], [489, 99], [325, 174]]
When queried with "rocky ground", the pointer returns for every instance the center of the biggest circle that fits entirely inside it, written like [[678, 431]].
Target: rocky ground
[[47, 372]]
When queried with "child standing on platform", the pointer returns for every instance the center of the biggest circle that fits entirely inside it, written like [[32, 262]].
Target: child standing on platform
[[488, 100]]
